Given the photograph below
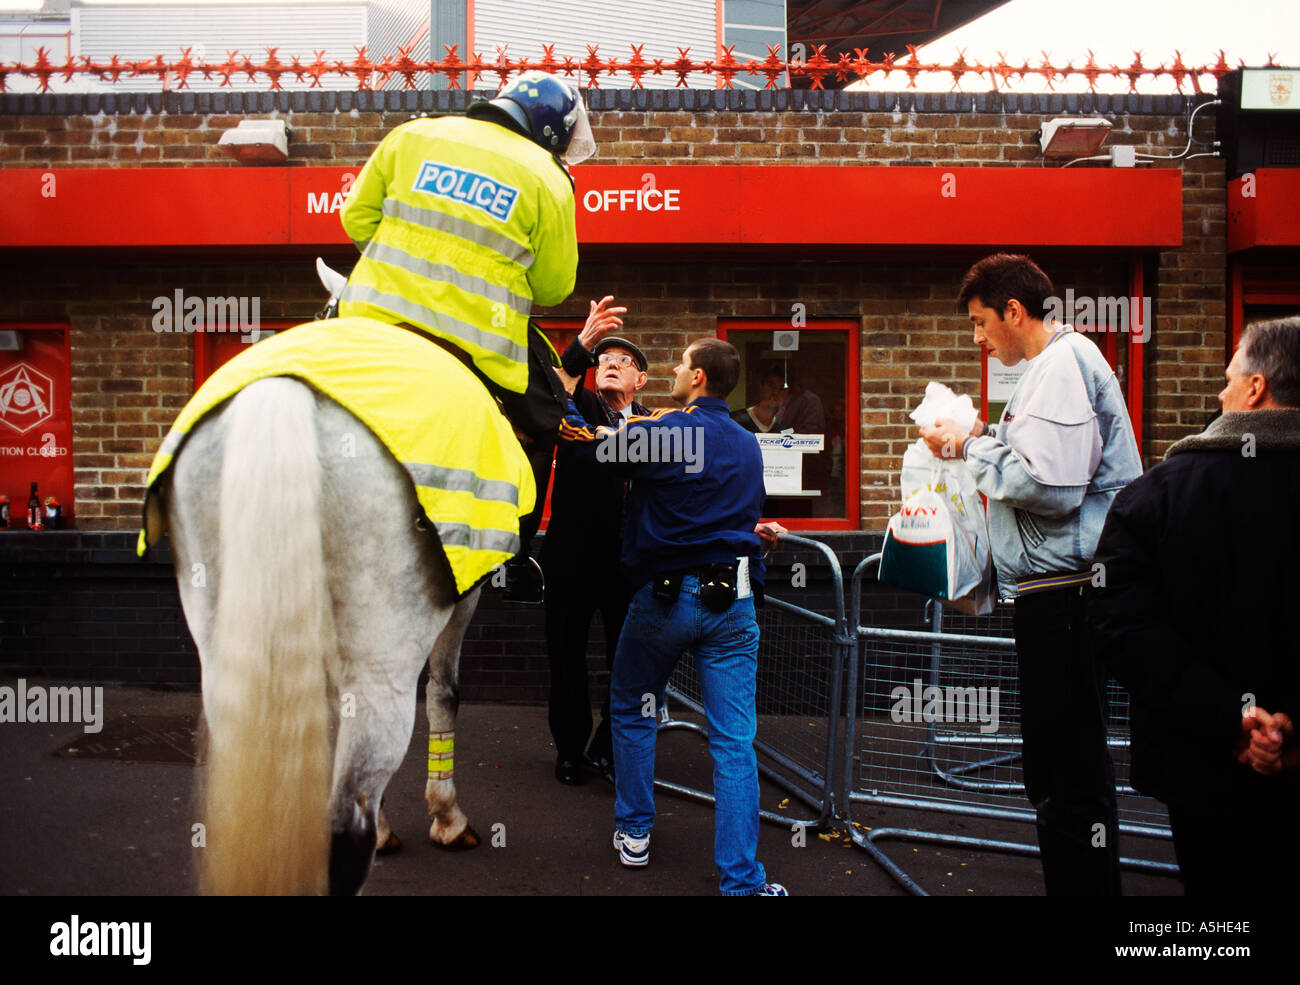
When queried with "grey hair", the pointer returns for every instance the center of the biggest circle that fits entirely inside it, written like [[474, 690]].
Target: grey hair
[[1272, 349]]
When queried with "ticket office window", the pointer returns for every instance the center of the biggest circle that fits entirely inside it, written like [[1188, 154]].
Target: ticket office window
[[798, 394], [36, 423], [212, 350], [1269, 311], [1266, 301], [1261, 291]]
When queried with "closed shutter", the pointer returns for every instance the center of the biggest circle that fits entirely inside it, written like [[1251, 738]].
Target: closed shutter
[[662, 26], [134, 32]]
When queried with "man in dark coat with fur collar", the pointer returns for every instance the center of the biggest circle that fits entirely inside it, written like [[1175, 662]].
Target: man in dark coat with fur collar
[[584, 543], [1201, 564]]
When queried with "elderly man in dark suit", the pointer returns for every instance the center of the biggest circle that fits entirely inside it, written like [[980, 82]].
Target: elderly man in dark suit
[[1195, 618], [580, 554]]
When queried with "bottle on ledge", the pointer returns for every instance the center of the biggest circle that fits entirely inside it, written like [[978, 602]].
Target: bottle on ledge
[[53, 514], [34, 518], [4, 512]]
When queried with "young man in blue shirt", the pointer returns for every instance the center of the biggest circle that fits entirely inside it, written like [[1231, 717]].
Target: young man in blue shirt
[[692, 553]]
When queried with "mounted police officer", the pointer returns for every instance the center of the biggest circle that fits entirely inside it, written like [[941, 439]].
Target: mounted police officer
[[464, 222]]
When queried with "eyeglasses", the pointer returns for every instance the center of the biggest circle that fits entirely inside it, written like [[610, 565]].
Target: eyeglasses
[[619, 359]]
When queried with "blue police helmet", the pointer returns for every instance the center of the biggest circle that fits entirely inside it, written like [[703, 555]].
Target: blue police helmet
[[549, 110]]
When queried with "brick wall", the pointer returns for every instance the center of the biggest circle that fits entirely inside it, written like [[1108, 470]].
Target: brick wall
[[911, 331], [1185, 365], [682, 127], [128, 382], [81, 606]]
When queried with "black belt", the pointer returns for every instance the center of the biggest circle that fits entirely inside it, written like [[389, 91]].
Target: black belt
[[1051, 582], [717, 585]]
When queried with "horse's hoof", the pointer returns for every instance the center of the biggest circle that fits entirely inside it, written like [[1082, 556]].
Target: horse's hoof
[[390, 845], [463, 842]]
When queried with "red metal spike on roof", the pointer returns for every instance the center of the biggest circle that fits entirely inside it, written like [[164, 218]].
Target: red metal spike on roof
[[725, 68], [683, 66]]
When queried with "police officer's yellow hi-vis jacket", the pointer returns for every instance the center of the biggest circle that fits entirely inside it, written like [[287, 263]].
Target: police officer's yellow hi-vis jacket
[[471, 477], [464, 224]]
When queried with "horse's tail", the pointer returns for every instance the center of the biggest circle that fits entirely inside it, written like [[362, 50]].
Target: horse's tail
[[266, 794]]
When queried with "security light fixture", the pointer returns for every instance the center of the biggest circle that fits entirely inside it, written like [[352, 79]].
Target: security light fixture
[[1073, 136], [257, 142]]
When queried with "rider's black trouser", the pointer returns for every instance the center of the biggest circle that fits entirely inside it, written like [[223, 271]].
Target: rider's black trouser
[[536, 414]]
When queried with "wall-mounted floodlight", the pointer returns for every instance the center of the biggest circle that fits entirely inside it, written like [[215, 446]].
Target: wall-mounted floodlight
[[257, 142], [1073, 136]]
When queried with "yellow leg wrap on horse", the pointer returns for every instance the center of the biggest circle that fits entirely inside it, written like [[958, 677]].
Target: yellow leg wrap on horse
[[441, 763]]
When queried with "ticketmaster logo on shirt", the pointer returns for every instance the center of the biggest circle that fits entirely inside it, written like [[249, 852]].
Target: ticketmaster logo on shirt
[[467, 187]]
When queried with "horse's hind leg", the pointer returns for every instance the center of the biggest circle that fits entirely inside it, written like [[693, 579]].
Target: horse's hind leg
[[386, 840], [449, 828], [374, 729], [392, 602]]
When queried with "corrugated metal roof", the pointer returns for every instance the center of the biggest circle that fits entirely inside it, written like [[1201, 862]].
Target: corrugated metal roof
[[393, 24], [135, 31], [662, 26]]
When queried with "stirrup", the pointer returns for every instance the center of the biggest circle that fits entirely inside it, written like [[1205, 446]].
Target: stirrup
[[525, 581]]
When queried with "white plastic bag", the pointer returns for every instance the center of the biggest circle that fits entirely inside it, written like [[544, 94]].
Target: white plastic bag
[[918, 460], [937, 544], [940, 401]]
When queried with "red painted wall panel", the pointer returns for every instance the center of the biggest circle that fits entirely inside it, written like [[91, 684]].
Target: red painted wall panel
[[623, 205], [143, 207], [36, 421], [1264, 209]]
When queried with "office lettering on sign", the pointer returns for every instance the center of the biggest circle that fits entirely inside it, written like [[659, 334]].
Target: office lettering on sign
[[632, 200]]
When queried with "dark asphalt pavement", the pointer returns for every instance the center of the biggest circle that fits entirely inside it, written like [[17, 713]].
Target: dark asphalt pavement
[[100, 827]]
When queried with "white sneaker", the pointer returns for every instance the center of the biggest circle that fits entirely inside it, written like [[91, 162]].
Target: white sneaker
[[633, 852], [771, 889]]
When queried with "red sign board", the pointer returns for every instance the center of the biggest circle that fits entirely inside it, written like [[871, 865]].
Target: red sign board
[[961, 206], [143, 206], [625, 205], [1264, 209], [315, 198], [618, 204], [36, 421]]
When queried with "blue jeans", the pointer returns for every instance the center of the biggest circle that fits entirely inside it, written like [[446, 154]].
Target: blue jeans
[[725, 647]]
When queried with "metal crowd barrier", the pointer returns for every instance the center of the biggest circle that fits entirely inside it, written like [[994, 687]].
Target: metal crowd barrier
[[802, 659], [826, 688], [969, 767]]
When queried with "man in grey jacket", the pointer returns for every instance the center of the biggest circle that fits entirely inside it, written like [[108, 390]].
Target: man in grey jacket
[[1050, 468]]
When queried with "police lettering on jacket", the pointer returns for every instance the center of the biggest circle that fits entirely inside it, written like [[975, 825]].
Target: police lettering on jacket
[[469, 187]]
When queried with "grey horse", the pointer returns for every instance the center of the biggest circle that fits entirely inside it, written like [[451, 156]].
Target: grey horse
[[315, 602]]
